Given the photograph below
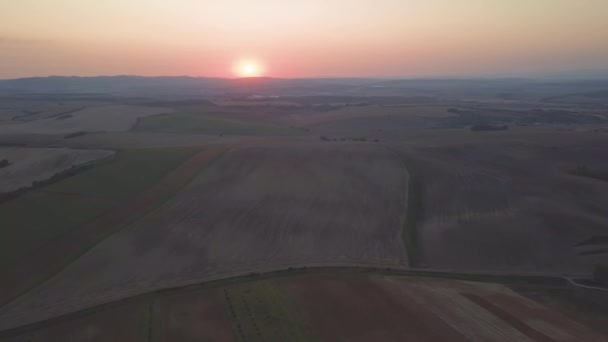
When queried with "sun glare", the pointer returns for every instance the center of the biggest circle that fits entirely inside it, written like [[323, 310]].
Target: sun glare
[[248, 69]]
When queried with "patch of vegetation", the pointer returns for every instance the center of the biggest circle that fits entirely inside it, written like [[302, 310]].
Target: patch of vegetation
[[4, 163], [414, 214], [64, 116], [38, 216], [585, 171], [262, 311], [489, 127], [594, 240], [75, 134], [501, 117], [362, 139], [73, 170], [594, 252], [198, 124], [412, 219]]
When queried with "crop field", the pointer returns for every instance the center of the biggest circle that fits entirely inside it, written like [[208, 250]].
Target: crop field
[[115, 118], [201, 315], [29, 109], [125, 323], [381, 308], [406, 112], [28, 165], [262, 311], [509, 203], [46, 228], [321, 306], [285, 218], [40, 215], [255, 208], [198, 124]]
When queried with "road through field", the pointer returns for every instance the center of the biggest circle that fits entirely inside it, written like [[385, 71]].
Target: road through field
[[35, 267]]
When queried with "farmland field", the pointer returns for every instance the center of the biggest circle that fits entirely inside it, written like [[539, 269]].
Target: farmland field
[[190, 316], [198, 124], [90, 119], [29, 165], [403, 308], [309, 211], [45, 213], [255, 208], [125, 323], [101, 210], [509, 204], [262, 310], [320, 306]]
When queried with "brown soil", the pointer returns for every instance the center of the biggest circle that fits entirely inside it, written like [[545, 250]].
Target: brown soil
[[361, 308], [383, 308], [126, 323], [556, 326], [191, 316]]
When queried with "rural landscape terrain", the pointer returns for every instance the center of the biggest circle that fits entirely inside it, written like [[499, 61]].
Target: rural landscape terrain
[[267, 209]]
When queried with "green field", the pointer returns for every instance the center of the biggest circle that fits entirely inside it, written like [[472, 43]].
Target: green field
[[262, 311], [29, 221], [198, 124]]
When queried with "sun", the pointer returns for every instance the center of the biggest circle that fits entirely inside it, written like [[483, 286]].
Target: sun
[[248, 68]]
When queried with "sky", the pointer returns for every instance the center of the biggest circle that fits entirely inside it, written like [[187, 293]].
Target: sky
[[311, 38]]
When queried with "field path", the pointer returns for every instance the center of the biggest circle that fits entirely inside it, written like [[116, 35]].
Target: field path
[[49, 259]]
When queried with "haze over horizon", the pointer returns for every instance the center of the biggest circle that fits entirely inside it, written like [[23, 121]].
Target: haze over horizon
[[302, 39]]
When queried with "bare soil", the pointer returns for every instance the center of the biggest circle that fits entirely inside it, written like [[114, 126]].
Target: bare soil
[[383, 308]]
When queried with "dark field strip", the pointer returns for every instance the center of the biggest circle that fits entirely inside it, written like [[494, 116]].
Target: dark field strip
[[594, 240], [594, 252], [506, 316], [51, 257]]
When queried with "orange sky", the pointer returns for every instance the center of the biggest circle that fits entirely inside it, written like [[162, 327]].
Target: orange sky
[[313, 38]]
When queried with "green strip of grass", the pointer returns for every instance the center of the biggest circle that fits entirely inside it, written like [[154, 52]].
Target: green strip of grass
[[41, 215], [414, 214], [261, 311], [413, 217], [198, 124]]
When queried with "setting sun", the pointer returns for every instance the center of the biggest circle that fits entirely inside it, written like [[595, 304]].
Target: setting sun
[[248, 69]]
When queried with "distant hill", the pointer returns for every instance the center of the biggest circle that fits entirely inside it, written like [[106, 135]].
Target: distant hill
[[510, 89], [130, 85]]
